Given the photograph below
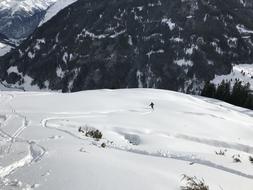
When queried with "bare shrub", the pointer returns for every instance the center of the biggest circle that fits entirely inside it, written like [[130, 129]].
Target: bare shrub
[[193, 183], [94, 133], [220, 153], [103, 145], [90, 132], [236, 158]]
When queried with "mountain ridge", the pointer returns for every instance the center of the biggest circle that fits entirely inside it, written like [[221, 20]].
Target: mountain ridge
[[18, 19]]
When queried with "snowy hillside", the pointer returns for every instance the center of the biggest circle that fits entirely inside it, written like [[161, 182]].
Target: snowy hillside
[[241, 72], [41, 147]]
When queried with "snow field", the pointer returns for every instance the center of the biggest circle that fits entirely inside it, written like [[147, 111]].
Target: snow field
[[145, 149]]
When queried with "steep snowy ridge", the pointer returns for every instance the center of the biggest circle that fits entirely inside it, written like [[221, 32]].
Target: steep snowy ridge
[[55, 8], [5, 45], [4, 48], [43, 148]]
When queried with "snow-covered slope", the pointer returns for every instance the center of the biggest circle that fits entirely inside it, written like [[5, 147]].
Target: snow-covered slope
[[41, 147], [241, 72], [55, 8], [4, 48]]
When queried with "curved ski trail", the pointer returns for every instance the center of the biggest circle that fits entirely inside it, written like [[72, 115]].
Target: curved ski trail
[[181, 156]]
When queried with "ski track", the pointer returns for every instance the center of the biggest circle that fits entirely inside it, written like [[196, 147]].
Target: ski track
[[187, 158], [5, 171], [181, 156], [36, 152], [217, 143]]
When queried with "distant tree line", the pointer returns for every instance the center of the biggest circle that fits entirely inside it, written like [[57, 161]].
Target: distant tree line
[[239, 94]]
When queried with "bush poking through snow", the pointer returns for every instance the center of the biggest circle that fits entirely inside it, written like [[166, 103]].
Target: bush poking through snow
[[94, 133], [251, 159], [90, 132], [220, 153], [236, 158], [81, 130], [103, 145], [193, 183]]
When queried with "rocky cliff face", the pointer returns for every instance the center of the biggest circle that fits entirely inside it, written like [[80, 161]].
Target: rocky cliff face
[[134, 43]]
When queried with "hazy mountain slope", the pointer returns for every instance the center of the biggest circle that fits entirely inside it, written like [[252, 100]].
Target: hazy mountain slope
[[28, 6], [19, 18]]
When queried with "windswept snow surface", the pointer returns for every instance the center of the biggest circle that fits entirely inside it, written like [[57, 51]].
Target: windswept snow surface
[[41, 147], [55, 8]]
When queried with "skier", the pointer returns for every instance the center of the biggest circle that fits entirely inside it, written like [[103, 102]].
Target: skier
[[152, 105]]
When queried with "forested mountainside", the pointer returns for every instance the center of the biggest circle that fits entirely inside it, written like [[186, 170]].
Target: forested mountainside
[[174, 45]]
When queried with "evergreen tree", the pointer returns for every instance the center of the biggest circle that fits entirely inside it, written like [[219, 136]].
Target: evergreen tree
[[223, 91], [240, 93], [209, 90], [227, 93], [249, 102], [239, 96]]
